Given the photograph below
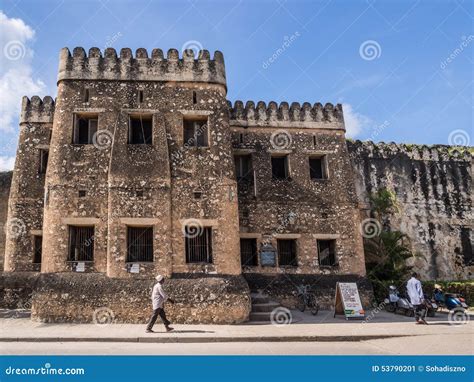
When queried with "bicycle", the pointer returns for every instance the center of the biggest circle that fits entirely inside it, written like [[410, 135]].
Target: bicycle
[[307, 299]]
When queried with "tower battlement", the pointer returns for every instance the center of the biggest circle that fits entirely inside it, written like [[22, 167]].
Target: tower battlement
[[296, 115], [141, 67], [37, 110]]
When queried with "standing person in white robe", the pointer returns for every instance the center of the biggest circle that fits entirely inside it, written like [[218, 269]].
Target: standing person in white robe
[[417, 299]]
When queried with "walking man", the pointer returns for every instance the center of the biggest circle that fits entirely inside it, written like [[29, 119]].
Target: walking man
[[417, 299], [158, 298]]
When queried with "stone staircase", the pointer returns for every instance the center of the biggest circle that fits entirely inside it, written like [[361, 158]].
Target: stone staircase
[[262, 308]]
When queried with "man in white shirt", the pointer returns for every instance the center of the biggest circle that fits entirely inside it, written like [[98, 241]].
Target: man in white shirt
[[158, 298], [417, 299]]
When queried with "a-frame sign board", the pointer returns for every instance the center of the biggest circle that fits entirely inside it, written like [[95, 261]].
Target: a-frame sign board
[[348, 301]]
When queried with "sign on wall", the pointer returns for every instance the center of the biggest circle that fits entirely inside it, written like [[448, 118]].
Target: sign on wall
[[348, 301]]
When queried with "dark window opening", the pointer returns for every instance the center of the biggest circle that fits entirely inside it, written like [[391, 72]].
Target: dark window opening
[[241, 138], [196, 133], [139, 244], [243, 167], [314, 140], [198, 242], [86, 95], [280, 167], [194, 97], [248, 252], [81, 243], [327, 253], [43, 159], [317, 168], [287, 252], [139, 193], [37, 248], [466, 246], [85, 126], [140, 130], [140, 96], [82, 193], [197, 194]]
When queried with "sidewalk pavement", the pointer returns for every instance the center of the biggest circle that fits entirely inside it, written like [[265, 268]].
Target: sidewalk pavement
[[304, 327]]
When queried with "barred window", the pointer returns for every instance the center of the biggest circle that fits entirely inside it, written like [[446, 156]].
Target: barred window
[[287, 252], [43, 161], [81, 243], [198, 242], [139, 244], [243, 168], [248, 252], [327, 253], [37, 248]]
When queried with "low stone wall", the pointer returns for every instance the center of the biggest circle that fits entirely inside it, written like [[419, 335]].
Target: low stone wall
[[284, 288], [86, 298], [16, 289]]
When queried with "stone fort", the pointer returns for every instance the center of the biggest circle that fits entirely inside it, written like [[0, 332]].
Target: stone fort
[[142, 167]]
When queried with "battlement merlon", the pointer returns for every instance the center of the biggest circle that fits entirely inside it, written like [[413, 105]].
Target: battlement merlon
[[285, 116], [96, 66], [37, 110]]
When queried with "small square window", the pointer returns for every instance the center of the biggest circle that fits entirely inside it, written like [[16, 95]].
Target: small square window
[[198, 244], [287, 252], [43, 161], [243, 168], [317, 167], [139, 193], [140, 244], [248, 252], [82, 193], [280, 167], [140, 130], [327, 253], [85, 126], [197, 194], [195, 133], [37, 248]]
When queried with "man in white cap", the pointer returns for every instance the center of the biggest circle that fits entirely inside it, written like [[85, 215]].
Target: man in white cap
[[158, 297]]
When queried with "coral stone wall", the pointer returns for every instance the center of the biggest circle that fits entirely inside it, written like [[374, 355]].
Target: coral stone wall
[[299, 207], [433, 186], [5, 182], [25, 209]]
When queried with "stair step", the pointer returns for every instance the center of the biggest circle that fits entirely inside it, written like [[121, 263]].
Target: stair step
[[259, 299], [266, 307], [260, 316]]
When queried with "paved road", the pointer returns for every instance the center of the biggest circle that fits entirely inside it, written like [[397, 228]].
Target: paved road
[[426, 344]]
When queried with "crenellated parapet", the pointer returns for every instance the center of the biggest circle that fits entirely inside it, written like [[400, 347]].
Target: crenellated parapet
[[284, 115], [412, 151], [141, 67], [37, 110]]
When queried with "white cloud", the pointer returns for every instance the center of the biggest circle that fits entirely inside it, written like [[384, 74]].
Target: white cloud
[[16, 72], [6, 163], [355, 122]]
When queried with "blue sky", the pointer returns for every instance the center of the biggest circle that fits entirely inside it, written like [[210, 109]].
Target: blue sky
[[402, 69]]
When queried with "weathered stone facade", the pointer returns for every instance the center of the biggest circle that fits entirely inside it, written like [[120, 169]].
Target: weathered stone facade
[[433, 186], [275, 176]]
